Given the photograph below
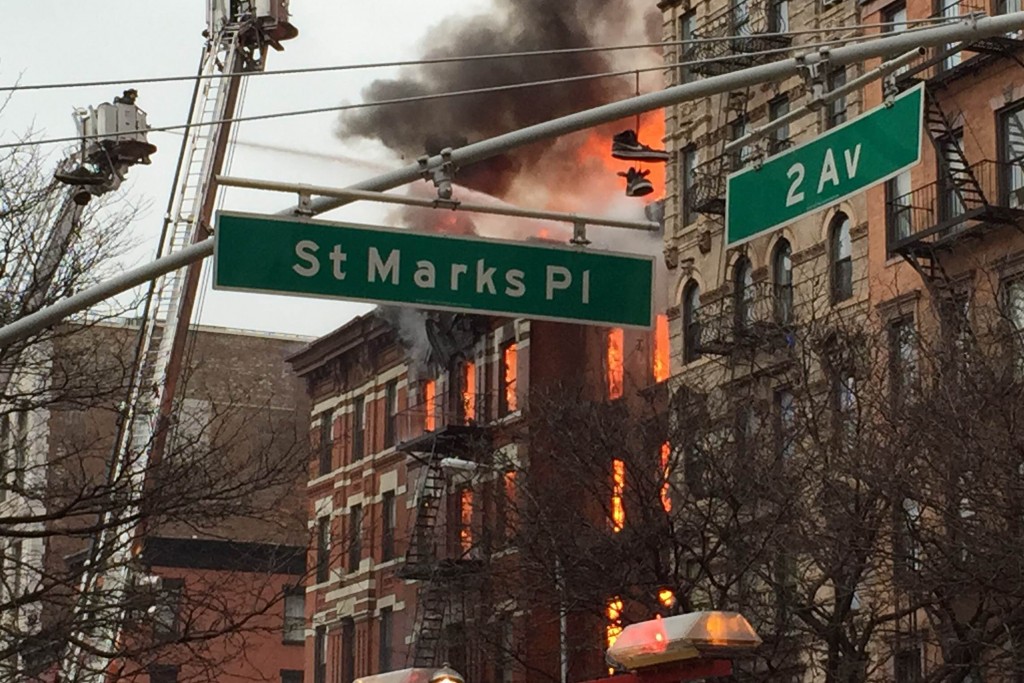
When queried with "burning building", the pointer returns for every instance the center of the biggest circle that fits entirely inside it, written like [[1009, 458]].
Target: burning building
[[420, 494]]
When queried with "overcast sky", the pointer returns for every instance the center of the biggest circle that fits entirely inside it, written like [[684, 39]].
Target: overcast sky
[[61, 41]]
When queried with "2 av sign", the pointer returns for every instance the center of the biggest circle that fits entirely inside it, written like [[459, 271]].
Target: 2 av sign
[[848, 159], [365, 263]]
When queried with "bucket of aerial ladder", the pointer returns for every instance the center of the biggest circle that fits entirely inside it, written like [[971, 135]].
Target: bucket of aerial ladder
[[114, 139], [271, 17]]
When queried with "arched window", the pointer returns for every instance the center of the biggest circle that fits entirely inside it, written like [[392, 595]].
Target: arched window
[[691, 323], [743, 293], [782, 279], [841, 252]]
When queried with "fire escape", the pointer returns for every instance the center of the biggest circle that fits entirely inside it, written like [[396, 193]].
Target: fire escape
[[966, 200], [446, 427], [743, 319], [737, 36]]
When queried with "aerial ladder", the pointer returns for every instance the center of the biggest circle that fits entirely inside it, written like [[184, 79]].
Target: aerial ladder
[[239, 33]]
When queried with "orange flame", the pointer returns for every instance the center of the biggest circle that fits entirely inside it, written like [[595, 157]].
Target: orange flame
[[616, 340], [469, 390], [466, 519], [509, 360], [666, 498], [429, 394], [661, 351], [618, 490], [614, 612]]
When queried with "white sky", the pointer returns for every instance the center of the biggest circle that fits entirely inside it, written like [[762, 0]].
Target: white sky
[[61, 41]]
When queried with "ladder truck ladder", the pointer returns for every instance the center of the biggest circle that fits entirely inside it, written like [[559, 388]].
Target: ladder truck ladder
[[111, 571]]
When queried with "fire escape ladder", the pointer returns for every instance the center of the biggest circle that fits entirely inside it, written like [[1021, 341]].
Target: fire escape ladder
[[421, 553], [431, 605], [953, 164]]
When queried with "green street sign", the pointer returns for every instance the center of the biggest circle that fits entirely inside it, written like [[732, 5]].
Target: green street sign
[[384, 265], [846, 160]]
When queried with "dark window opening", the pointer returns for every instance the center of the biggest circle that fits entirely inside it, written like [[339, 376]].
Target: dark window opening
[[358, 428], [326, 443], [841, 248], [691, 322], [355, 537], [385, 641], [782, 274], [323, 537], [391, 406], [388, 521], [348, 650]]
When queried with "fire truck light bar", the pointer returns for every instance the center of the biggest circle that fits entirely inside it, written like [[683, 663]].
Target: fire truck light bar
[[697, 634]]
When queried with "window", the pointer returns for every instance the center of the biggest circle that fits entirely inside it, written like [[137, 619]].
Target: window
[[1007, 6], [782, 276], [508, 401], [614, 362], [391, 408], [952, 173], [740, 17], [950, 9], [737, 129], [348, 650], [429, 405], [910, 540], [836, 110], [505, 512], [465, 517], [163, 674], [618, 505], [743, 293], [295, 615], [468, 385], [1011, 156], [1013, 304], [358, 428], [167, 610], [355, 537], [320, 655], [388, 513], [785, 421], [291, 676], [687, 27], [778, 16], [898, 208], [385, 626], [779, 139], [902, 357], [896, 16], [844, 404], [5, 437], [20, 447], [691, 322], [613, 626], [505, 656], [841, 248], [907, 665], [326, 443], [687, 182], [323, 537]]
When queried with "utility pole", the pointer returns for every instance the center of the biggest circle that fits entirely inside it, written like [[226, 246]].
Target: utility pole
[[971, 28]]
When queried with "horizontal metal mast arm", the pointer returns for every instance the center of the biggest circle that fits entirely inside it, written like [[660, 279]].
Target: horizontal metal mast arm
[[344, 193]]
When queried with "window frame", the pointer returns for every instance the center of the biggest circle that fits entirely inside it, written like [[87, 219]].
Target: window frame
[[323, 549], [288, 629], [504, 407], [391, 413], [691, 321], [782, 281], [385, 639], [347, 651], [1003, 154], [326, 455], [358, 428], [320, 654], [687, 169], [169, 599], [840, 265], [901, 333], [779, 138], [388, 524], [743, 294], [687, 27], [836, 111], [355, 537]]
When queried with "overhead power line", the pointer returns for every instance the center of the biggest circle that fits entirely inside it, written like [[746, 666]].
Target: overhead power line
[[456, 93], [465, 58]]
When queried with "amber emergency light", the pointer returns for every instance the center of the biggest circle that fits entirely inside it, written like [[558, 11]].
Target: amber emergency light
[[687, 636], [415, 675]]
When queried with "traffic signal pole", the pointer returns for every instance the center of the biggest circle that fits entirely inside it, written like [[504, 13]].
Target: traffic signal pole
[[971, 28]]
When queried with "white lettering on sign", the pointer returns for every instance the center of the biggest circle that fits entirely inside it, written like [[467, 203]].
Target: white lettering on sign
[[384, 266], [378, 268], [557, 278], [338, 258], [514, 280], [425, 276], [829, 173], [306, 250], [484, 278], [457, 270]]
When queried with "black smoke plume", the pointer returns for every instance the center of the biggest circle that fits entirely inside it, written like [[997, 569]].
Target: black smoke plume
[[514, 26]]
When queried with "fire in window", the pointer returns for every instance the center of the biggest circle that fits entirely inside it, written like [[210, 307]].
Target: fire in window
[[507, 397], [618, 490], [614, 624], [661, 350], [469, 390], [429, 402], [466, 520], [613, 360], [665, 461]]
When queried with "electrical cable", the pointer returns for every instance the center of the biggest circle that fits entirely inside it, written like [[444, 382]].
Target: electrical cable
[[468, 58], [456, 93]]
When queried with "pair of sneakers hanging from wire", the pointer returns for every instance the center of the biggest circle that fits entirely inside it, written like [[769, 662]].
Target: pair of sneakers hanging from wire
[[627, 146]]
